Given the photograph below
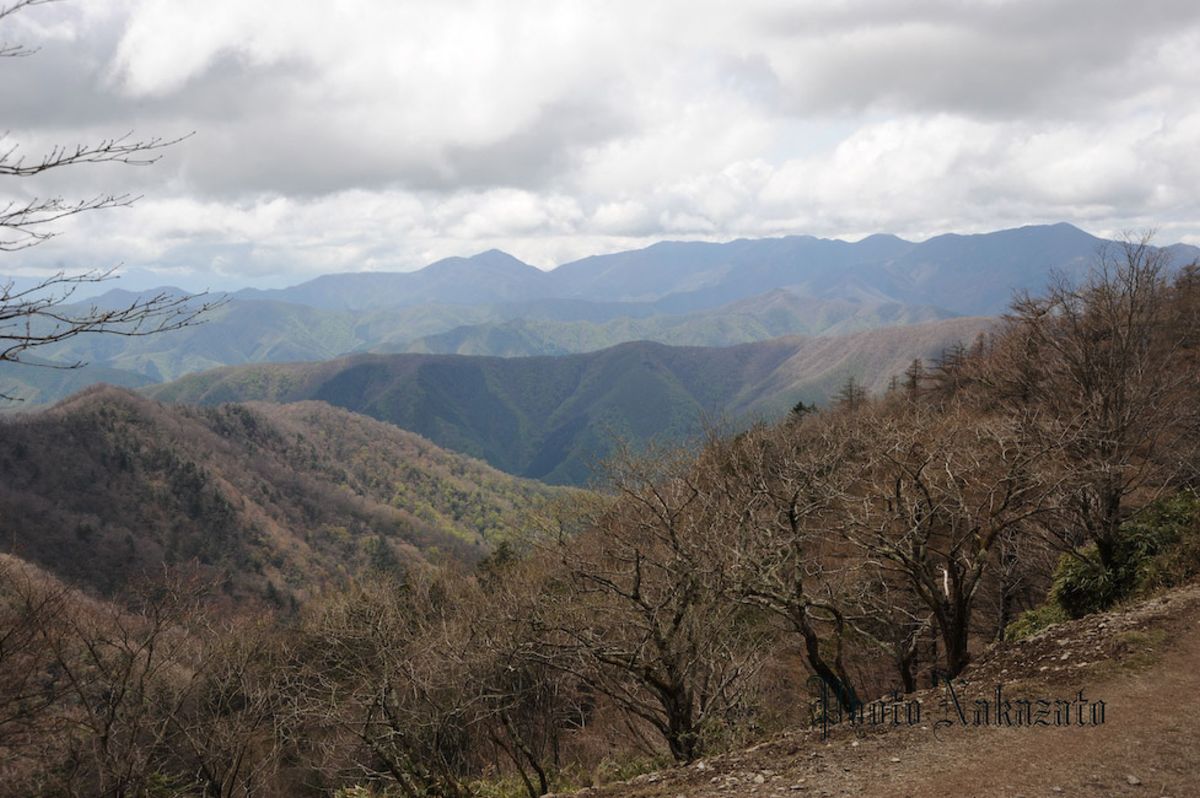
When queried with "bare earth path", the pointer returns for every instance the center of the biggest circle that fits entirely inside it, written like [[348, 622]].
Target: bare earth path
[[1143, 663]]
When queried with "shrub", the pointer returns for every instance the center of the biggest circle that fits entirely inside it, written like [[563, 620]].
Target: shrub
[[356, 791], [1082, 585], [1035, 620], [1158, 549], [1176, 522]]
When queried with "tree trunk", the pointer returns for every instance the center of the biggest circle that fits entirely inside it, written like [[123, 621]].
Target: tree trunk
[[906, 662], [683, 737], [837, 680], [1109, 534], [955, 633]]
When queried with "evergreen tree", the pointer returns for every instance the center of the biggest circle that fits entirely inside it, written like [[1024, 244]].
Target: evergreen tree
[[852, 395]]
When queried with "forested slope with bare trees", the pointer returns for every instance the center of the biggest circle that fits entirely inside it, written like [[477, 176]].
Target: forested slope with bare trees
[[1040, 473]]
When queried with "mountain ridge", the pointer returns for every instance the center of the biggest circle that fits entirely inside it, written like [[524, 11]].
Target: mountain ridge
[[551, 418], [272, 331], [701, 274], [692, 275], [680, 293]]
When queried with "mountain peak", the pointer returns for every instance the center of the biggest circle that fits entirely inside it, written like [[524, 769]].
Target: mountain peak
[[492, 260], [493, 254], [875, 238], [117, 297]]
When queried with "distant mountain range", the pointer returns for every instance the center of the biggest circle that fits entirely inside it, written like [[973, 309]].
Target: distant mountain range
[[636, 344], [963, 274], [553, 418], [687, 294], [272, 501]]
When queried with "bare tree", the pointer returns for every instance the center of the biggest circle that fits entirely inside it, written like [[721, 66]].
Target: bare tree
[[884, 612], [32, 606], [914, 378], [16, 49], [643, 619], [944, 488], [1103, 363], [224, 735], [121, 678], [851, 396], [384, 689], [43, 313], [1184, 317], [531, 699], [777, 494]]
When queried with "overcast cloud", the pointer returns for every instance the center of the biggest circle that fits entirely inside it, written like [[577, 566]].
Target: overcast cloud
[[371, 134]]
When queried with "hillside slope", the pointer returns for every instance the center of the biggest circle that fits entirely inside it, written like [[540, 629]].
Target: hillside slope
[[38, 382], [1140, 662], [266, 331], [771, 315], [552, 418], [274, 500]]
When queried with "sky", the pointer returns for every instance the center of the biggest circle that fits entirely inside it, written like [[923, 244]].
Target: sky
[[353, 135]]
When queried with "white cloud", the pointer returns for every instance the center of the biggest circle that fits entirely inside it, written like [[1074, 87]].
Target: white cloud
[[369, 134]]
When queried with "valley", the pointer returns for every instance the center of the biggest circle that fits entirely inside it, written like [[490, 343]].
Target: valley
[[554, 418]]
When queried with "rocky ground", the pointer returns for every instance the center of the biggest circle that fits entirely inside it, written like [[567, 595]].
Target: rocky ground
[[1143, 662]]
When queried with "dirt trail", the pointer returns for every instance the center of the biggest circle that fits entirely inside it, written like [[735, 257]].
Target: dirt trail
[[1143, 663]]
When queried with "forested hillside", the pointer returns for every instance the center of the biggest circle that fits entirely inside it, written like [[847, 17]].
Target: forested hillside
[[535, 399], [241, 331], [273, 501], [771, 315], [554, 418], [1046, 473]]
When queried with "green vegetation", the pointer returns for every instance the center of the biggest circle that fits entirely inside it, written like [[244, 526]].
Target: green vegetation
[[1033, 621], [1138, 649], [263, 331], [1156, 550], [32, 385], [1160, 548], [685, 294], [553, 419]]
